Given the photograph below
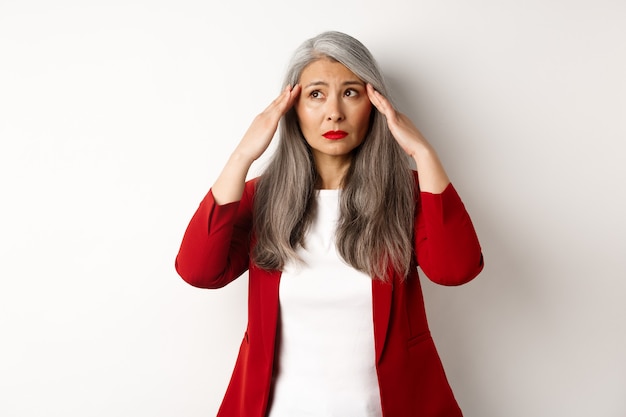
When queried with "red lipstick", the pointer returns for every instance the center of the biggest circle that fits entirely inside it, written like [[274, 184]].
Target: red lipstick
[[335, 134]]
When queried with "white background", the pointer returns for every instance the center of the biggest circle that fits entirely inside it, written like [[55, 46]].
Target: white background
[[116, 117]]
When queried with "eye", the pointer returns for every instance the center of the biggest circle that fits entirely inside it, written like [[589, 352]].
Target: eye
[[315, 94], [351, 93]]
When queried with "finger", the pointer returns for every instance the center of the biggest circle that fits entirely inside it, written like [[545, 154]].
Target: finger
[[285, 100], [294, 93], [277, 105], [371, 93], [379, 101], [283, 97]]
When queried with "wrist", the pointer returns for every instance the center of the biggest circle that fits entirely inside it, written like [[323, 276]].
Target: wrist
[[241, 159], [423, 152]]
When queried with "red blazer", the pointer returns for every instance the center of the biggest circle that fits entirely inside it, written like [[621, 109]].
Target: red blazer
[[215, 250]]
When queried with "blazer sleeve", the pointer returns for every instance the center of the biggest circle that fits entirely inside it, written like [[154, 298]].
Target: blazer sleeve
[[215, 248], [446, 245]]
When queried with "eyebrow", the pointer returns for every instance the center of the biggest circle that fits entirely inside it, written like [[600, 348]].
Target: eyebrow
[[324, 83]]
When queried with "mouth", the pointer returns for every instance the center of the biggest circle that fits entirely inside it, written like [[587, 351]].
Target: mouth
[[335, 134]]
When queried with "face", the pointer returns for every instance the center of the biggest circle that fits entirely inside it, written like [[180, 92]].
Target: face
[[333, 109]]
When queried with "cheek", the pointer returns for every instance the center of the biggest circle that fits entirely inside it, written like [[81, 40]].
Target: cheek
[[363, 117], [305, 115]]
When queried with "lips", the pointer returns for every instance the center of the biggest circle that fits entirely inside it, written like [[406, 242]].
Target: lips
[[335, 134]]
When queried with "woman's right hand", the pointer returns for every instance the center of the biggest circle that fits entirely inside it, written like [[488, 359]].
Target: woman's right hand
[[230, 184], [260, 133]]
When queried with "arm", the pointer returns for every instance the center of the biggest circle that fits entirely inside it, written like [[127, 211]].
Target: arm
[[446, 245], [433, 177], [216, 246], [230, 183]]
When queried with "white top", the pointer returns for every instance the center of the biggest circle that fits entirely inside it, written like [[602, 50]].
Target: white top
[[325, 359]]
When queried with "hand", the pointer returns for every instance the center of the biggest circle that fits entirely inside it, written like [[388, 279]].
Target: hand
[[432, 176], [403, 130], [260, 133], [230, 184]]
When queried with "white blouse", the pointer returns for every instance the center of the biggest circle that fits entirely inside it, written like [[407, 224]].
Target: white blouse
[[325, 362]]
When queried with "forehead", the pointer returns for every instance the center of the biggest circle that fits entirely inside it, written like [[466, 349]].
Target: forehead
[[327, 71]]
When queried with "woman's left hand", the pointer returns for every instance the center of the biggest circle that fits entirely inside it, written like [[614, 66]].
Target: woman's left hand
[[432, 176], [403, 130]]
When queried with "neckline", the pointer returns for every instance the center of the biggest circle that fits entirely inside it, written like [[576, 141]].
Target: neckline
[[325, 192]]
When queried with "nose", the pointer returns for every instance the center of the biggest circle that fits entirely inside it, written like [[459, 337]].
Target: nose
[[334, 110]]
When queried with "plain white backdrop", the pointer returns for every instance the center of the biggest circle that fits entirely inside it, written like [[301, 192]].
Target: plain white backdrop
[[116, 117]]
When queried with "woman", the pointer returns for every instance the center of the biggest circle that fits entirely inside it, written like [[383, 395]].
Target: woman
[[331, 235]]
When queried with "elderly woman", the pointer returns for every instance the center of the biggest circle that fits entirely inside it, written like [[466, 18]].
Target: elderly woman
[[331, 235]]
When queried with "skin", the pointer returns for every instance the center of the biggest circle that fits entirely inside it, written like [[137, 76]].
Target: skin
[[333, 109], [332, 98]]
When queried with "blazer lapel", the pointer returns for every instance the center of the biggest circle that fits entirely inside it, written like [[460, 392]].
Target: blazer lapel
[[382, 293]]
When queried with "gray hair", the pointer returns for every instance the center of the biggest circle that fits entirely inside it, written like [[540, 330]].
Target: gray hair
[[377, 205], [338, 47]]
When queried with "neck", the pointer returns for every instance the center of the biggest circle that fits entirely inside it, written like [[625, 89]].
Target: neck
[[331, 172]]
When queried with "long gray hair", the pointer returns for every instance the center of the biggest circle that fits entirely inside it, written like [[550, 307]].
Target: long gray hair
[[375, 230]]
